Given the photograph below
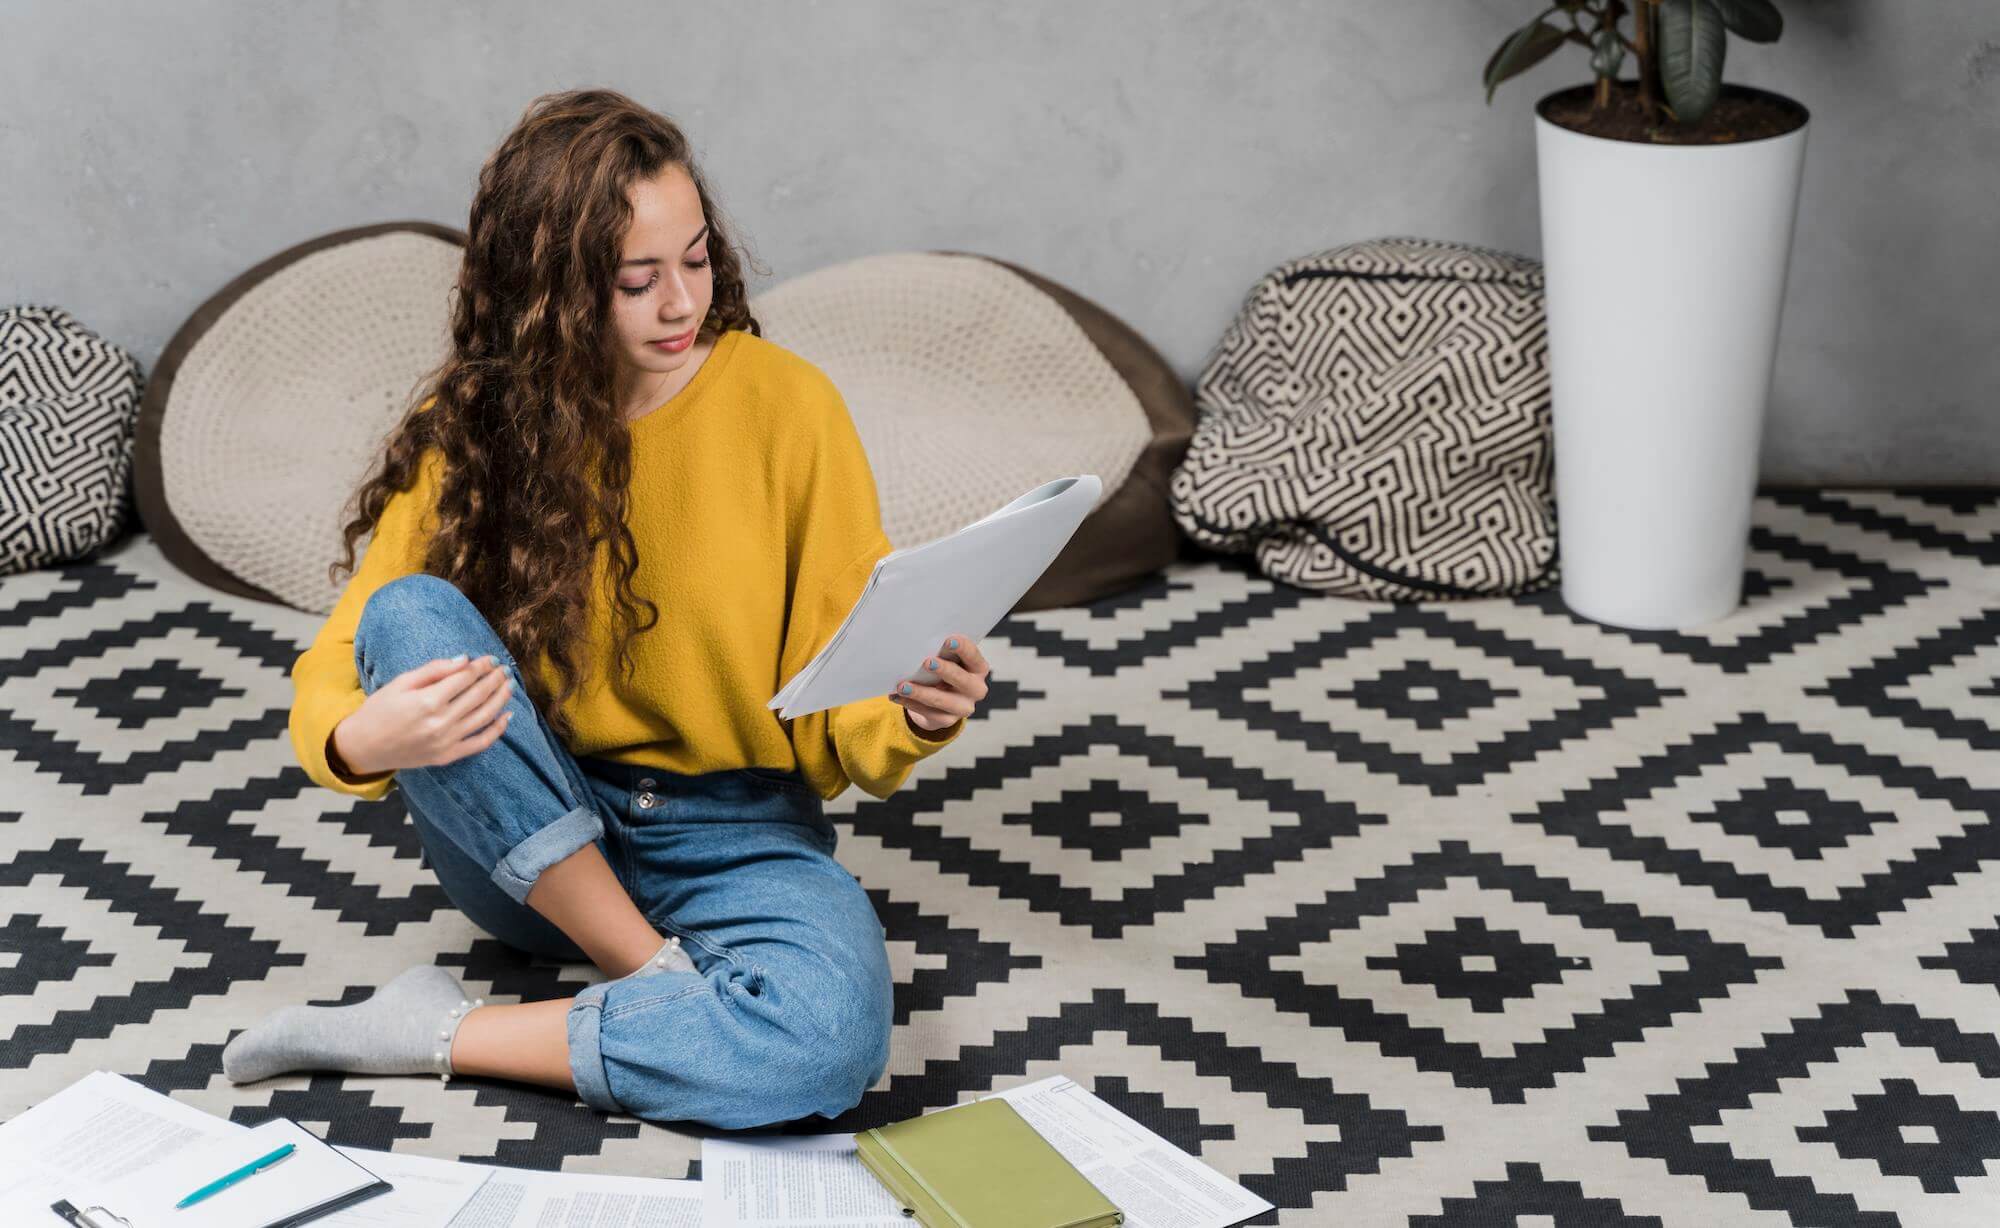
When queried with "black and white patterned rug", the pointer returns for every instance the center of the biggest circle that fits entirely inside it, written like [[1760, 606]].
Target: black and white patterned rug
[[1447, 914]]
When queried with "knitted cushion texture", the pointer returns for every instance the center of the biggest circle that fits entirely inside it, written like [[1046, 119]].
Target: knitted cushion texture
[[967, 384], [276, 413]]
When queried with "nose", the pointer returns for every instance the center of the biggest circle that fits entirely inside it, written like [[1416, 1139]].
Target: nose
[[679, 304]]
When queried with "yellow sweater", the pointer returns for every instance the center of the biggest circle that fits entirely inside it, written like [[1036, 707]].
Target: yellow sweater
[[754, 513]]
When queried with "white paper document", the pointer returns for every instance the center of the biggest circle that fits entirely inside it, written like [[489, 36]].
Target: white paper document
[[1156, 1184], [428, 1192], [793, 1181], [520, 1198], [965, 583], [96, 1131]]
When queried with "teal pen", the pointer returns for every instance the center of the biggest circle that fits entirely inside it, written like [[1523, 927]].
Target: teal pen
[[222, 1183]]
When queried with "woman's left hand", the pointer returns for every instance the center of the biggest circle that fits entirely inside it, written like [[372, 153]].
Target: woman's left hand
[[961, 683]]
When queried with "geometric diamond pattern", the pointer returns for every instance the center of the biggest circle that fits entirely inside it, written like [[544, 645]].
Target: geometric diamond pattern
[[1944, 683], [1461, 913], [1837, 863], [1531, 699], [1785, 1126], [1301, 961]]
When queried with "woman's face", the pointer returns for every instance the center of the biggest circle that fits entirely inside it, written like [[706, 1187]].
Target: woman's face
[[665, 284]]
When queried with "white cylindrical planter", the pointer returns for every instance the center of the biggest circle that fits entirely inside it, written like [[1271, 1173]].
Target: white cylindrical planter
[[1665, 268]]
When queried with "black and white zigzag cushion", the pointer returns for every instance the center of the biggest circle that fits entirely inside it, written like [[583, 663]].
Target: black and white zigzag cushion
[[1375, 423], [68, 404]]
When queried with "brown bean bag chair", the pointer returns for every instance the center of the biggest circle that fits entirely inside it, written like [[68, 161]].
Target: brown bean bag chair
[[1029, 378]]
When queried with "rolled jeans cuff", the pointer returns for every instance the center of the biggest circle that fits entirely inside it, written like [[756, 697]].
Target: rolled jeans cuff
[[586, 1059], [524, 863]]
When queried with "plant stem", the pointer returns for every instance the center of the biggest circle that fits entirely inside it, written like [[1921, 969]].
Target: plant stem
[[1642, 39], [1607, 19]]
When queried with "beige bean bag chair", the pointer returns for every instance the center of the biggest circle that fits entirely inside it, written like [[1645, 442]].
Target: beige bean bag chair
[[1013, 378], [271, 402]]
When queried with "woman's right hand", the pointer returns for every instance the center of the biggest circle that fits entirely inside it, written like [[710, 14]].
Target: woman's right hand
[[444, 709]]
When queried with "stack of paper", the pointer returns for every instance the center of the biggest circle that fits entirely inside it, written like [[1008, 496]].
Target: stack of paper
[[105, 1133]]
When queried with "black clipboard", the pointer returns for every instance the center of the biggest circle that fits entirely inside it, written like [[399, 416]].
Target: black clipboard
[[95, 1216]]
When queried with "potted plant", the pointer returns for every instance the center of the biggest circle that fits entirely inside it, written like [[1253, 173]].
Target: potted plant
[[1667, 202]]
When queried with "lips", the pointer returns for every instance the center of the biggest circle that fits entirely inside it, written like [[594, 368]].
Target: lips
[[677, 337]]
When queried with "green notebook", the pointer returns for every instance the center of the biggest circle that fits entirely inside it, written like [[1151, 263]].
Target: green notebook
[[981, 1165]]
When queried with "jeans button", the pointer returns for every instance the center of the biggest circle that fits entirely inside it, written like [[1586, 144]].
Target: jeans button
[[645, 801], [646, 782]]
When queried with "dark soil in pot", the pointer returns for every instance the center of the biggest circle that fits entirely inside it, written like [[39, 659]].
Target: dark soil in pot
[[1741, 113]]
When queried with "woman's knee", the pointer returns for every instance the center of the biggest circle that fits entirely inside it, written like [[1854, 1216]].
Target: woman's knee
[[764, 1057], [415, 618], [855, 1018], [829, 1074]]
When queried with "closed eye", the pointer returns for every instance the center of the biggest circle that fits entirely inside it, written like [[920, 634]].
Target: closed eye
[[654, 280]]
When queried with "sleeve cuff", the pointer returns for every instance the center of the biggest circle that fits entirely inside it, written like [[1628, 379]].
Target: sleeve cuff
[[918, 744], [365, 786], [312, 730]]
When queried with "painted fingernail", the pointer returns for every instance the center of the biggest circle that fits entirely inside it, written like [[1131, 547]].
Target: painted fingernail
[[951, 643], [458, 658], [491, 659], [930, 663], [906, 688]]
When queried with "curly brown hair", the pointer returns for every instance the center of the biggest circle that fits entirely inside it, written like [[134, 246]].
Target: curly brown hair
[[535, 453]]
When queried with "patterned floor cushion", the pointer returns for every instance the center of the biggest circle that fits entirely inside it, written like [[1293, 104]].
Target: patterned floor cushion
[[68, 399], [1375, 423]]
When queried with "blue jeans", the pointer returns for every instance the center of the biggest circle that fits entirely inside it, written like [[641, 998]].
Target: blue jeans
[[789, 1011]]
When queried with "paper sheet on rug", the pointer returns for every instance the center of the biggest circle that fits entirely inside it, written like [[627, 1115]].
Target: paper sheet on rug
[[428, 1191], [792, 1181], [522, 1198], [1156, 1184], [97, 1130]]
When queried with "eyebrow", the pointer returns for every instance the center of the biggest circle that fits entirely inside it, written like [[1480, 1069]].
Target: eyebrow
[[698, 235]]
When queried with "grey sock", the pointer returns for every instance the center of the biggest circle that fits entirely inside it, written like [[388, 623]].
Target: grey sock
[[669, 958], [405, 1028]]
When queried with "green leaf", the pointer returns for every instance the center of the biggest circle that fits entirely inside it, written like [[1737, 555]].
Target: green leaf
[[1692, 45], [1524, 48], [1757, 20]]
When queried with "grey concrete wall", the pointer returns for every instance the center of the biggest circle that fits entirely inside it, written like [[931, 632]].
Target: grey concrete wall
[[1155, 155]]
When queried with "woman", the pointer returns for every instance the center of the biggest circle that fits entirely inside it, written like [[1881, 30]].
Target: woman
[[610, 432]]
